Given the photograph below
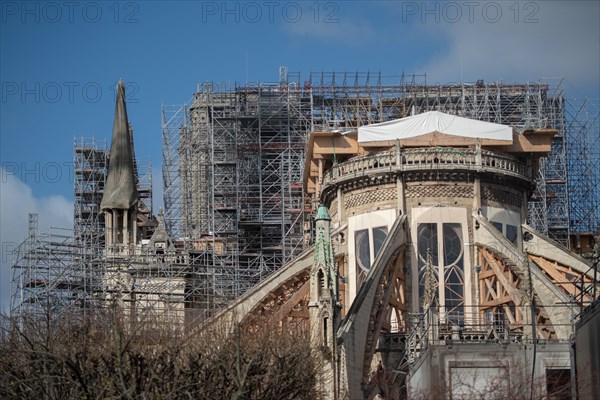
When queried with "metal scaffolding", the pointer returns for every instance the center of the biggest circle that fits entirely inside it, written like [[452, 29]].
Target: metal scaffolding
[[345, 101], [583, 164], [90, 165], [57, 271], [233, 158], [232, 170], [49, 279]]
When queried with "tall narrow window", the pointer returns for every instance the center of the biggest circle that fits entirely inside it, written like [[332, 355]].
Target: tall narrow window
[[321, 279], [325, 335], [511, 233], [427, 244], [363, 255], [447, 269], [454, 279], [367, 244], [379, 236], [497, 225]]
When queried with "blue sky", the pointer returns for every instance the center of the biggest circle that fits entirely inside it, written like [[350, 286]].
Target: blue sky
[[60, 61]]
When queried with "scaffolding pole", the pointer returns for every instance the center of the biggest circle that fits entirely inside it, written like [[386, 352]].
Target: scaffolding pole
[[233, 180], [233, 158], [583, 164], [50, 281]]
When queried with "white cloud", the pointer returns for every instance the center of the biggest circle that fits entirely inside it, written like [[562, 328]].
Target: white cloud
[[351, 32], [16, 202], [562, 43]]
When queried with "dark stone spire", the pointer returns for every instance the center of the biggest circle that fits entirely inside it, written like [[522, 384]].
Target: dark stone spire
[[120, 191], [160, 234]]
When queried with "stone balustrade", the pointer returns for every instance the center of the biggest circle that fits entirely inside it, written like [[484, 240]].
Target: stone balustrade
[[425, 159]]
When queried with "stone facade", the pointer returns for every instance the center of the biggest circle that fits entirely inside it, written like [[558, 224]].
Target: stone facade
[[451, 195], [442, 285]]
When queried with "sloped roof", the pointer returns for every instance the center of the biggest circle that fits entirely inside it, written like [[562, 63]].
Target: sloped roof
[[120, 190], [432, 122], [161, 234]]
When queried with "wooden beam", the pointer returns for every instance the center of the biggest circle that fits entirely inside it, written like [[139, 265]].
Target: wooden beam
[[491, 289], [497, 302], [486, 274], [287, 307], [396, 303], [379, 310], [558, 277], [497, 268], [508, 313], [436, 139]]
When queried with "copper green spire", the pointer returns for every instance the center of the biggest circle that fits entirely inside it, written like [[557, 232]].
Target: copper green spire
[[322, 213], [323, 249]]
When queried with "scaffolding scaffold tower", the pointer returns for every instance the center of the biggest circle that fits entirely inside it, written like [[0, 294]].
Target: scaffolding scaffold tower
[[220, 168], [90, 166], [232, 171], [583, 164], [234, 205], [49, 280]]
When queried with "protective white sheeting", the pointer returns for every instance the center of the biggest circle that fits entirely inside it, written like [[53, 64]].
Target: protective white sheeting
[[433, 121]]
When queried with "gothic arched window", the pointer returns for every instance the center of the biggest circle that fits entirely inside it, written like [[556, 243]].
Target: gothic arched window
[[450, 293]]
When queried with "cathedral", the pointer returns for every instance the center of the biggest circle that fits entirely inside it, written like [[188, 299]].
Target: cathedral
[[422, 280]]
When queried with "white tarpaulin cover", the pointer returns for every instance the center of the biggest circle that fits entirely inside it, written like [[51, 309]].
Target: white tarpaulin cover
[[433, 121]]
